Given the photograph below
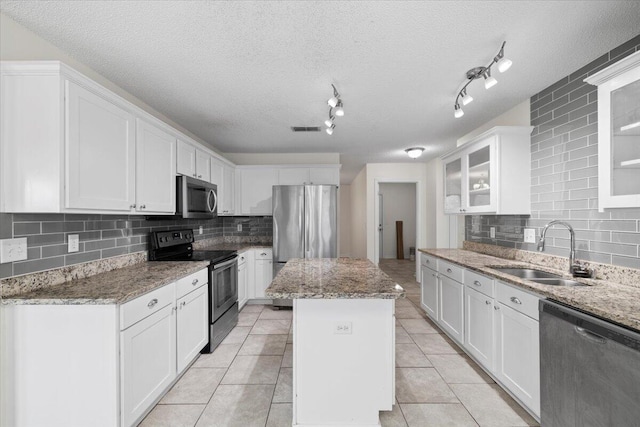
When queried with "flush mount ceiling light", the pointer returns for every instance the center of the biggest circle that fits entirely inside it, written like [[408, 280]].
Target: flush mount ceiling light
[[414, 152], [478, 72], [336, 109]]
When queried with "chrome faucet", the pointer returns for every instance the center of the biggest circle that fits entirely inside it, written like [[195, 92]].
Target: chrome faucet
[[572, 254]]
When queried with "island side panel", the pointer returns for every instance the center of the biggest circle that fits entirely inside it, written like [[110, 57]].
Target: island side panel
[[343, 378]]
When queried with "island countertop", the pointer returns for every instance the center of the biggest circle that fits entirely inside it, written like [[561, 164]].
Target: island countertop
[[333, 278]]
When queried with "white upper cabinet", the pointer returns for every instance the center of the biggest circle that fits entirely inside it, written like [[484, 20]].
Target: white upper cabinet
[[255, 185], [227, 198], [155, 169], [618, 133], [100, 152], [186, 162], [328, 175], [490, 174], [193, 162]]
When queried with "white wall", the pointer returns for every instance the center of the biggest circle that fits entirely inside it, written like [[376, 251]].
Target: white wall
[[344, 220], [398, 204], [283, 158], [520, 115], [18, 43], [359, 215]]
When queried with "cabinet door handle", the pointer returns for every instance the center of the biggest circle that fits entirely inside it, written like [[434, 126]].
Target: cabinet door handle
[[487, 302], [475, 282], [495, 307], [143, 206], [199, 176], [433, 274], [133, 206], [152, 302], [263, 254], [427, 260], [195, 281], [515, 300], [449, 270], [183, 303]]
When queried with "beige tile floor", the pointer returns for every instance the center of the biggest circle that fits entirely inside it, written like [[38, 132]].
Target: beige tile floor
[[247, 380]]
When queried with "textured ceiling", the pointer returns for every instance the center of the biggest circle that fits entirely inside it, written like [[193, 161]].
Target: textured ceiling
[[239, 74]]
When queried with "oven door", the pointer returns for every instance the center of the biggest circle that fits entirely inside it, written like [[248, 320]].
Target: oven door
[[224, 287]]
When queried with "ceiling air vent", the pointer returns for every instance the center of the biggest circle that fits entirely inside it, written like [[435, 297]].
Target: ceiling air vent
[[305, 128]]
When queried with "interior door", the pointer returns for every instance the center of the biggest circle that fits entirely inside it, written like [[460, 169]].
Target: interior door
[[320, 221]]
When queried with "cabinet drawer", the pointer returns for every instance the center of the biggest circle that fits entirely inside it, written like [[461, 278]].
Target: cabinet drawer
[[145, 305], [517, 299], [479, 282], [191, 282], [450, 270], [429, 261], [264, 253]]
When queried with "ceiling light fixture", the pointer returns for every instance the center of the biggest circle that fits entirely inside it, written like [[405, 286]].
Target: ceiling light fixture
[[475, 73], [336, 109], [414, 152]]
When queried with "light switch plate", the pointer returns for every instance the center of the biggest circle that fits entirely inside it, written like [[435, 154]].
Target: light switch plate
[[492, 232], [529, 235], [13, 250], [200, 230], [74, 243], [239, 227]]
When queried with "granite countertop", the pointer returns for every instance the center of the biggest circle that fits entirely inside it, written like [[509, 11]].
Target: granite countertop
[[608, 300], [112, 287], [333, 278]]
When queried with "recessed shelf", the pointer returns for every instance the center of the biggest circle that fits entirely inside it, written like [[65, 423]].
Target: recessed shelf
[[480, 165], [480, 191], [630, 162]]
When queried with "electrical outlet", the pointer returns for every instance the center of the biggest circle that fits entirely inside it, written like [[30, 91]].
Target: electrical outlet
[[13, 250], [74, 243], [200, 230], [492, 232], [239, 227], [529, 235], [342, 328]]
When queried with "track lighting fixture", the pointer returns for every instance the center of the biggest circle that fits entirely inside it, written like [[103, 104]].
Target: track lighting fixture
[[414, 152], [336, 109], [475, 73]]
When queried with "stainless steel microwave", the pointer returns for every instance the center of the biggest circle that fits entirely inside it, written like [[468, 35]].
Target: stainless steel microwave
[[196, 198]]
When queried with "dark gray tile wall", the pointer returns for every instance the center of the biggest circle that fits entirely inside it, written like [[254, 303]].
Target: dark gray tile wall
[[564, 177], [103, 236]]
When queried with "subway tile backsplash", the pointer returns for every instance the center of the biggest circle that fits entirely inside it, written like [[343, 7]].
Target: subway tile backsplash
[[104, 236], [564, 178]]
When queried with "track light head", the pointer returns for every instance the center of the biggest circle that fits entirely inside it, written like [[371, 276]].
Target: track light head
[[339, 109], [330, 129], [489, 81], [333, 101], [466, 98], [458, 111], [504, 64]]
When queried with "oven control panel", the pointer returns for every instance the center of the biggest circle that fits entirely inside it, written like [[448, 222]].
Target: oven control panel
[[165, 239]]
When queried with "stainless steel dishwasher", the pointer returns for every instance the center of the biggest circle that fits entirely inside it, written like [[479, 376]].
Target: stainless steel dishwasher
[[589, 370]]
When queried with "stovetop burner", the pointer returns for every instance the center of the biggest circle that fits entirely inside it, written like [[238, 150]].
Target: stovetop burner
[[176, 245]]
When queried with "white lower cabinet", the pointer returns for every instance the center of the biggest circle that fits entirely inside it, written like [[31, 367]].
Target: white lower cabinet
[[429, 292], [148, 362], [451, 303], [192, 333], [263, 271], [479, 331], [494, 322]]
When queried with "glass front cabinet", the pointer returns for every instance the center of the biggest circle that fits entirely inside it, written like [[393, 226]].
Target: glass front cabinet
[[618, 133], [490, 174]]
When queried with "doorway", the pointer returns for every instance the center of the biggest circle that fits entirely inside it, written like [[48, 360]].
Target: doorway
[[397, 202]]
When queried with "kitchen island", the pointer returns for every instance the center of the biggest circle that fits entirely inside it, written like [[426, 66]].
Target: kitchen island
[[343, 340]]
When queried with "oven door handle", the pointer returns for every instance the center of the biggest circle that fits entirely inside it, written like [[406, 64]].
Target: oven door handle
[[225, 264]]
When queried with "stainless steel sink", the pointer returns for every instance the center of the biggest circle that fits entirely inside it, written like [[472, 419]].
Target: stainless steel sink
[[558, 282], [539, 276], [527, 273]]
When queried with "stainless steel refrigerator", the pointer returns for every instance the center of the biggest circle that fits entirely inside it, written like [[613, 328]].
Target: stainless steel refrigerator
[[305, 224]]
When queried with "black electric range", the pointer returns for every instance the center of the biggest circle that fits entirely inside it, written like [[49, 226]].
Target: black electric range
[[177, 245]]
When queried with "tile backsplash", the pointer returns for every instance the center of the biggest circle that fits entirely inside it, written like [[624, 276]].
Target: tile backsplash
[[104, 236], [564, 177]]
